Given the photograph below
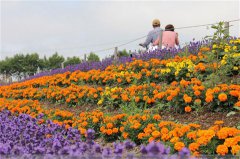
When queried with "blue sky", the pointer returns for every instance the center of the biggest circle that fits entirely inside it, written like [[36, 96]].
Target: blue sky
[[73, 28]]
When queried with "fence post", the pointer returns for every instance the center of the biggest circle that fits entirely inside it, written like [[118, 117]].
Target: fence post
[[160, 39], [38, 70], [130, 53], [62, 65], [85, 57], [226, 26], [115, 55]]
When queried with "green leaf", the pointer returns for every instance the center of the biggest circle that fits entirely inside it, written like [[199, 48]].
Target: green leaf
[[231, 113], [236, 108]]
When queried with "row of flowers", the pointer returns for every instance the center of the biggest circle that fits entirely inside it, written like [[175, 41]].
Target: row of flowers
[[140, 128], [135, 72], [179, 96], [192, 48], [22, 136]]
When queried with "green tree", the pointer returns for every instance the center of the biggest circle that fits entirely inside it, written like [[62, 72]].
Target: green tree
[[55, 61], [123, 53], [72, 60], [5, 67], [31, 63], [17, 66], [44, 63], [93, 57]]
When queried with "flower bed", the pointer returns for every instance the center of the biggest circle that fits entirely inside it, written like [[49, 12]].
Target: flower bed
[[140, 128]]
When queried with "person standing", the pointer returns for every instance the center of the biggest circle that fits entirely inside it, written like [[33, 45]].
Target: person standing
[[153, 34]]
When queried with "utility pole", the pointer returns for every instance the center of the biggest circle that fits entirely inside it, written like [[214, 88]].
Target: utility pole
[[115, 55], [226, 26]]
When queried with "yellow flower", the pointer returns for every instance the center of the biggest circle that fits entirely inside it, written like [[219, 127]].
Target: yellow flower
[[100, 102], [235, 68]]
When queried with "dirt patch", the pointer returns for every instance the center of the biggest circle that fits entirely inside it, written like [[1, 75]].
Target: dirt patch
[[76, 110], [205, 118]]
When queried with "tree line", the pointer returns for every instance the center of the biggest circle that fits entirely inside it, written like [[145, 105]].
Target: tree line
[[22, 66]]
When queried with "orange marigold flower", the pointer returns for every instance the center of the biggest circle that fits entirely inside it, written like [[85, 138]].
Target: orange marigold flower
[[178, 146], [229, 142], [149, 101], [136, 125], [209, 98], [202, 140], [222, 150], [188, 109], [109, 125], [237, 104], [95, 120], [174, 139], [151, 139], [174, 83], [196, 154], [165, 137], [121, 128], [144, 117], [48, 135], [156, 134], [125, 135], [234, 93], [193, 146], [119, 80], [164, 130], [223, 133], [187, 99], [140, 135], [169, 98], [157, 117], [137, 99], [109, 132], [197, 101], [84, 123], [197, 93], [222, 97], [115, 130], [40, 121], [218, 122], [102, 128], [235, 149], [95, 95]]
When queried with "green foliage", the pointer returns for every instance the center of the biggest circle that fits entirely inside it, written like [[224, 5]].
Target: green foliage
[[44, 63], [5, 67], [72, 60], [93, 57], [123, 53], [55, 61], [17, 65], [219, 39], [20, 65], [31, 63]]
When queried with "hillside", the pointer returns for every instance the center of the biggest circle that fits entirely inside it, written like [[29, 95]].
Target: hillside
[[187, 100]]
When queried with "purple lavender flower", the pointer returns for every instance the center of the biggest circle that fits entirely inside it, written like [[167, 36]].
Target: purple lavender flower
[[184, 153], [129, 145], [107, 153]]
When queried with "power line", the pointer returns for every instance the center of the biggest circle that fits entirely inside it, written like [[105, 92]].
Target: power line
[[194, 26], [136, 39]]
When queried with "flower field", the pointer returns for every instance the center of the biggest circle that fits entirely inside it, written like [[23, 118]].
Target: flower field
[[127, 99]]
